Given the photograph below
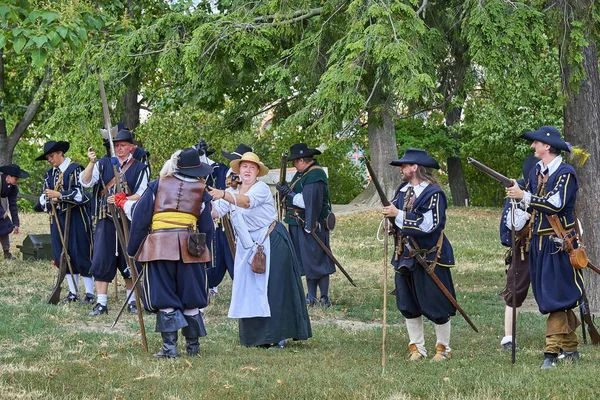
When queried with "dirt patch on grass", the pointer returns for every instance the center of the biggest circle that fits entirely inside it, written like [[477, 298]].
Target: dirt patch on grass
[[351, 325]]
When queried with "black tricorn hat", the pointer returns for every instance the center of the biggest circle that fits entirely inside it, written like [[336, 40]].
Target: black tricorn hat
[[14, 170], [52, 147], [237, 153], [189, 164], [416, 156], [549, 135], [124, 135], [301, 150]]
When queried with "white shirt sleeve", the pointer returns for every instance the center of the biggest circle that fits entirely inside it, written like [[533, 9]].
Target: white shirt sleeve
[[521, 218], [298, 201], [95, 177]]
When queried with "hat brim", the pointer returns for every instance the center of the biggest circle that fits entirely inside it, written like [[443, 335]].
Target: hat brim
[[59, 146], [306, 153], [541, 136], [230, 156], [197, 171], [235, 166], [429, 162], [12, 171]]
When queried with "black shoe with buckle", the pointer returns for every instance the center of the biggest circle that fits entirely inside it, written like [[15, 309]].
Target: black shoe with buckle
[[71, 298], [549, 361], [132, 308], [88, 299], [99, 309]]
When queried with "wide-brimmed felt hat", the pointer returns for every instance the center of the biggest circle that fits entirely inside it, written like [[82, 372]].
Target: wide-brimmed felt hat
[[52, 147], [416, 156], [549, 135], [301, 150], [237, 153], [250, 157], [189, 164], [14, 170], [124, 135]]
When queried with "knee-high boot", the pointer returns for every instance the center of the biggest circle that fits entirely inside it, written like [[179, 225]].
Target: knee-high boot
[[192, 332], [168, 323]]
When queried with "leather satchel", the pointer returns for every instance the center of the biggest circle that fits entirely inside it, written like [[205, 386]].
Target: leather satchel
[[196, 244], [259, 261], [577, 255]]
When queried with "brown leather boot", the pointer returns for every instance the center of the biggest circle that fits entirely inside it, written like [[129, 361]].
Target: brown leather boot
[[414, 354], [440, 353]]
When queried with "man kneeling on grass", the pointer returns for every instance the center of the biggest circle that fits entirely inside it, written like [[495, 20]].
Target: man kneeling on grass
[[419, 210]]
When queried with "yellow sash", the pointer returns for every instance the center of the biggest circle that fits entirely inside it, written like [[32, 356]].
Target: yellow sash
[[172, 219]]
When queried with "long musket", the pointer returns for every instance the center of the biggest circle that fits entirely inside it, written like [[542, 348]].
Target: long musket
[[385, 202], [282, 173], [64, 255], [331, 256], [420, 260], [126, 302], [585, 308], [506, 182], [122, 230], [514, 283]]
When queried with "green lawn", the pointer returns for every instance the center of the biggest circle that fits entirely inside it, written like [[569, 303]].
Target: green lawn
[[59, 352]]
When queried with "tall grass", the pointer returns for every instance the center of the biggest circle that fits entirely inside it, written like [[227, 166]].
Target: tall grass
[[50, 352]]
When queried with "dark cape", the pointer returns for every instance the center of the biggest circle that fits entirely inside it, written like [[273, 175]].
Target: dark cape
[[289, 316], [313, 184], [10, 193]]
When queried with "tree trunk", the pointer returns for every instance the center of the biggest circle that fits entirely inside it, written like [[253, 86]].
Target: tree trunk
[[382, 145], [456, 176], [131, 105], [582, 124]]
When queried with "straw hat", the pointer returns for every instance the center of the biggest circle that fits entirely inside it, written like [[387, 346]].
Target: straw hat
[[251, 157]]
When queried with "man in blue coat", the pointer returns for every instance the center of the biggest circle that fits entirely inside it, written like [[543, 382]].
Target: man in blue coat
[[8, 190], [63, 196], [557, 285], [99, 174], [419, 212]]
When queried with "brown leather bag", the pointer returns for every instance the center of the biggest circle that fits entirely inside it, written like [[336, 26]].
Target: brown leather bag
[[577, 256], [259, 261]]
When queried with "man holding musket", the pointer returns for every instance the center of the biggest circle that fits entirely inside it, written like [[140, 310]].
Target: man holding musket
[[307, 207], [8, 190], [550, 197], [133, 175], [63, 196], [419, 212]]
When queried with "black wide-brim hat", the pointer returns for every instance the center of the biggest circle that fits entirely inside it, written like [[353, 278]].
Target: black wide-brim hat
[[52, 147], [416, 156], [237, 153], [301, 150], [14, 170], [549, 135], [124, 135], [189, 164]]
